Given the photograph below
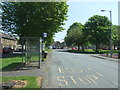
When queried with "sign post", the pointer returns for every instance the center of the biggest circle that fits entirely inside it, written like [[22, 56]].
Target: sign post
[[43, 47]]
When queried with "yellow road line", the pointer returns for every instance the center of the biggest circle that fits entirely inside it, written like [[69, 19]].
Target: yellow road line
[[81, 80], [87, 80], [116, 84], [61, 78], [99, 74], [60, 70], [94, 76], [91, 79], [73, 80]]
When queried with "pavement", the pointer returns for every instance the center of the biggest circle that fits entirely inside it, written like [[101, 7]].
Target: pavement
[[106, 58], [23, 72], [73, 70]]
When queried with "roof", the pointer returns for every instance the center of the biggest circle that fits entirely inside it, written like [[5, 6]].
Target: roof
[[6, 36]]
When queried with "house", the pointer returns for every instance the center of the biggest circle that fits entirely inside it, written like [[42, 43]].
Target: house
[[7, 41], [58, 45]]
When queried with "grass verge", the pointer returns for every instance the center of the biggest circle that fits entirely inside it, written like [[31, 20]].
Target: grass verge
[[91, 51], [10, 63]]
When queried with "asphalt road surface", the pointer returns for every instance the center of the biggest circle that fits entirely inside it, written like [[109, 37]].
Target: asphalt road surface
[[71, 70]]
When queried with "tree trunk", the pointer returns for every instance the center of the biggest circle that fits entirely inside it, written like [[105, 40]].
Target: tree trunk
[[97, 47], [96, 50], [78, 47], [114, 47], [82, 47]]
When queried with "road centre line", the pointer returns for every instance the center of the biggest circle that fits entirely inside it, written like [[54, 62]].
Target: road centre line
[[73, 80]]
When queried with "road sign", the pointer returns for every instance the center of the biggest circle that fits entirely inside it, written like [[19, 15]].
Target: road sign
[[44, 34]]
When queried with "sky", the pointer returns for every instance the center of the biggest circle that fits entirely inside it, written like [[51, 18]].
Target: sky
[[81, 11]]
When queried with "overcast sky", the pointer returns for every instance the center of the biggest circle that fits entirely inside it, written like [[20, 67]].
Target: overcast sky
[[80, 12]]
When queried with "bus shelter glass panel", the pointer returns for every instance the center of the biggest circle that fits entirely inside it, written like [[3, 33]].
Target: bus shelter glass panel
[[31, 50]]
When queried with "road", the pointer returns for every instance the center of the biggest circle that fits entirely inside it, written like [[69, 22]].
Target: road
[[71, 70]]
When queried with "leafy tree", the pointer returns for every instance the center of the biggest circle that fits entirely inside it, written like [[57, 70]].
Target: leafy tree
[[97, 28], [115, 35], [75, 35], [31, 19], [118, 35], [74, 26]]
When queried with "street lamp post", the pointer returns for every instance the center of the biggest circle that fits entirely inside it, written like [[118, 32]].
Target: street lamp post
[[110, 31]]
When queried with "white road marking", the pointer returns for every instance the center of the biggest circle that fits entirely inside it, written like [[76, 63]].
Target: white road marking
[[87, 80], [99, 74], [73, 80], [60, 78], [81, 80], [60, 71], [116, 84], [91, 79]]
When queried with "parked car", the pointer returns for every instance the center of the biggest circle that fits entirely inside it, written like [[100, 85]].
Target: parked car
[[1, 50], [73, 48], [104, 48], [118, 48], [7, 50]]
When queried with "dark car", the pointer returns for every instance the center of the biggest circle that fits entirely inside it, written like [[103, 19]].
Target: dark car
[[118, 48], [7, 50], [104, 48]]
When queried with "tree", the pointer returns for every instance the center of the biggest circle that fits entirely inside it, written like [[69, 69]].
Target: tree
[[97, 28], [119, 35], [75, 35], [115, 35], [31, 19]]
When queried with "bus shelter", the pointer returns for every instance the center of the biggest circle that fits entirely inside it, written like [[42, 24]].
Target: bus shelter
[[32, 50]]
